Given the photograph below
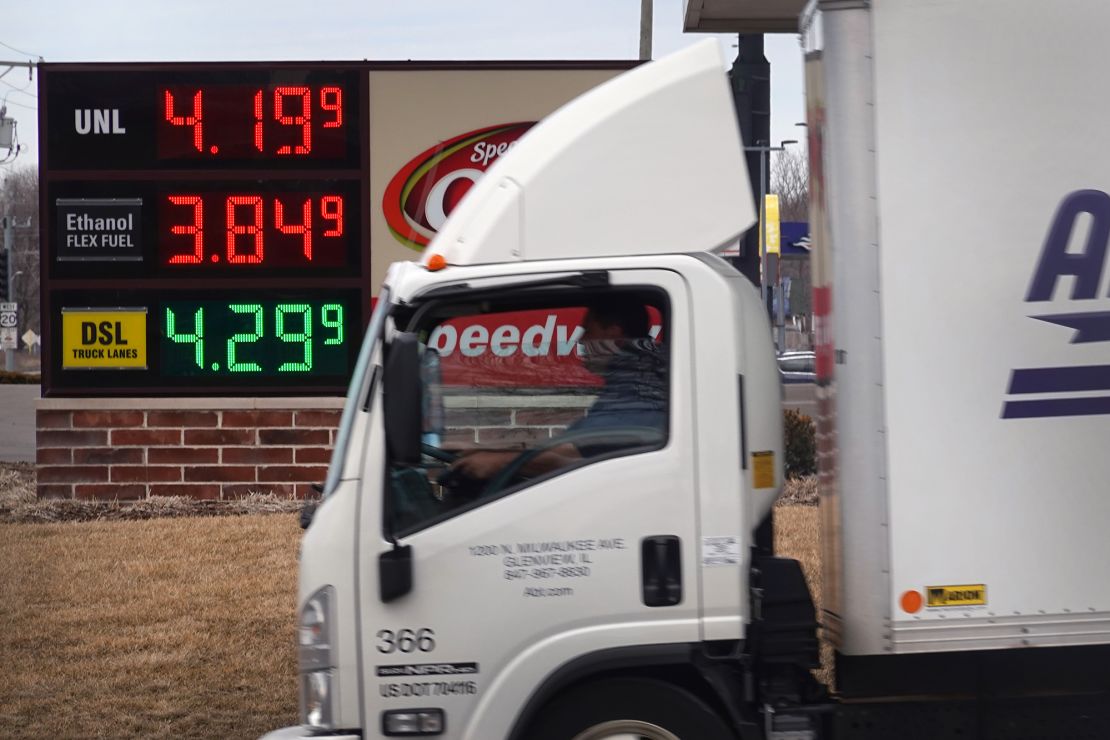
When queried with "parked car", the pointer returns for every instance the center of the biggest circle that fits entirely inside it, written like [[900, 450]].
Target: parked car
[[798, 366]]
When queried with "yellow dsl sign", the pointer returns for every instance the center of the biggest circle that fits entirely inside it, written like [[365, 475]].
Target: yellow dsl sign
[[104, 338], [771, 224]]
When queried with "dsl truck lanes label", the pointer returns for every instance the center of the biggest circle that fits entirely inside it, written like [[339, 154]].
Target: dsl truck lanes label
[[104, 338]]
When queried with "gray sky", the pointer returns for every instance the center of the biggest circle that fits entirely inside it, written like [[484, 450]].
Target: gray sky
[[281, 30]]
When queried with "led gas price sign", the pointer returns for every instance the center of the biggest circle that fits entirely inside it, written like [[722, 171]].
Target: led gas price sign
[[248, 122], [212, 212], [253, 338], [257, 226], [203, 117]]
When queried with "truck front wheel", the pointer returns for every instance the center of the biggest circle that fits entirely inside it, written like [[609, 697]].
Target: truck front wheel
[[628, 709]]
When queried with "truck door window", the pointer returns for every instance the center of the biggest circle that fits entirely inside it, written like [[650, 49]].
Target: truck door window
[[515, 393]]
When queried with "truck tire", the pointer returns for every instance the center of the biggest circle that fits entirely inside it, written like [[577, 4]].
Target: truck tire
[[628, 709]]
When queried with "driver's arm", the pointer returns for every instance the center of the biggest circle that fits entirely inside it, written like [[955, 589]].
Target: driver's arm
[[484, 464]]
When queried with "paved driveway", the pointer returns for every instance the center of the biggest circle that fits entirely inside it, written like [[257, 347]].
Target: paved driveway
[[17, 422]]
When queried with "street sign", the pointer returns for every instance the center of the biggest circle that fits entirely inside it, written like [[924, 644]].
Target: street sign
[[9, 316], [8, 339]]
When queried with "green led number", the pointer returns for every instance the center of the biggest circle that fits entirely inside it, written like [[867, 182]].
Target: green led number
[[304, 338], [232, 364], [196, 338], [331, 316]]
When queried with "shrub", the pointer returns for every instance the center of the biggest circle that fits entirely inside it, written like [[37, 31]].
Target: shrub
[[17, 378], [801, 445]]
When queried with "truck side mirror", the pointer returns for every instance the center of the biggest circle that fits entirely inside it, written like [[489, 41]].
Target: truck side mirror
[[402, 400]]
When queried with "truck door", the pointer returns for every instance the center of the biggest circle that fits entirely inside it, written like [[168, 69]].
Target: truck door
[[573, 528]]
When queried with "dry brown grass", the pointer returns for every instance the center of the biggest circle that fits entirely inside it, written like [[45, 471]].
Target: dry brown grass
[[164, 628], [173, 627]]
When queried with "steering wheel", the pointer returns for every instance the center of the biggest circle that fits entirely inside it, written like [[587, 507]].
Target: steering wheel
[[616, 438], [436, 453]]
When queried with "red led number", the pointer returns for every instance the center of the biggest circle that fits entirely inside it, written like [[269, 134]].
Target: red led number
[[331, 208], [196, 229], [253, 229], [246, 225], [196, 120], [258, 120], [331, 99], [304, 228], [304, 120]]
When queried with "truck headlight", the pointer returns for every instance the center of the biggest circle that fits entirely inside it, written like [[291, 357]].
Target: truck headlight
[[315, 648]]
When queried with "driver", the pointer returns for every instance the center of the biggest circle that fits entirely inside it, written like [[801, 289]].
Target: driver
[[614, 345]]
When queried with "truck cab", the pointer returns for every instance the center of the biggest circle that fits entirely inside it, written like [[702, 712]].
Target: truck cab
[[570, 328]]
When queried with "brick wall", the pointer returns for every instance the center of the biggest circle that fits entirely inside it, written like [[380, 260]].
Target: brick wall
[[130, 449], [510, 421]]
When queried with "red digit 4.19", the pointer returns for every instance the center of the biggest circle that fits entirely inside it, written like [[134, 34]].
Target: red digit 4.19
[[331, 101], [196, 120], [233, 122]]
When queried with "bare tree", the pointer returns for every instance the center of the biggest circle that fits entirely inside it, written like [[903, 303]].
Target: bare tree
[[790, 179], [19, 199]]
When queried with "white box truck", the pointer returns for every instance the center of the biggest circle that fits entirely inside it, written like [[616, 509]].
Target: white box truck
[[548, 512]]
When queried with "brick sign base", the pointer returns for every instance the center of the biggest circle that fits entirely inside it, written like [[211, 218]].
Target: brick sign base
[[208, 448]]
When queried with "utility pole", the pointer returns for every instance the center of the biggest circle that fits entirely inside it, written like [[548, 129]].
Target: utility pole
[[645, 30], [8, 225], [750, 79], [9, 289]]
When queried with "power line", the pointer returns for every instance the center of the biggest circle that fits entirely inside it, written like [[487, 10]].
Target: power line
[[9, 46], [20, 89], [22, 105]]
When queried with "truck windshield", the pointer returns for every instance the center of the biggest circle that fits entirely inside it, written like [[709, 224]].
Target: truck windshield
[[358, 389], [516, 394]]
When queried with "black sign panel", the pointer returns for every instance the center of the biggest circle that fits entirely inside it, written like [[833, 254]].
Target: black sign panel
[[280, 118], [224, 203], [233, 228], [217, 342], [99, 230]]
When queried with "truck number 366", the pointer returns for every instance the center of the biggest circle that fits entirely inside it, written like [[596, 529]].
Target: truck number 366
[[406, 640]]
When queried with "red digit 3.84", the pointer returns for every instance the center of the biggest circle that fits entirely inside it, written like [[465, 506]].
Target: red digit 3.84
[[263, 229], [240, 122]]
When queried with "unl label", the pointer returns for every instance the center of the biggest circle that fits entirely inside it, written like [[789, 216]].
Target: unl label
[[104, 339], [967, 595]]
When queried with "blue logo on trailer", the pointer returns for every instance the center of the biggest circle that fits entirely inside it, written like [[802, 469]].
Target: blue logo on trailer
[[1083, 383]]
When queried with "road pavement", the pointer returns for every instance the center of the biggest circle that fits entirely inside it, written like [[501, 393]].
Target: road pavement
[[17, 422], [801, 397]]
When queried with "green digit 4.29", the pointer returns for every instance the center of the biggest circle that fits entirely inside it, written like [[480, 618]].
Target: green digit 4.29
[[244, 337], [304, 337], [196, 338]]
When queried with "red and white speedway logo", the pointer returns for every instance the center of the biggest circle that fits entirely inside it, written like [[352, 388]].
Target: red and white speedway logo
[[423, 193]]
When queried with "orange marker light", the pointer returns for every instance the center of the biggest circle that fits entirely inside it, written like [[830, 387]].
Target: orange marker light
[[911, 602], [436, 263]]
